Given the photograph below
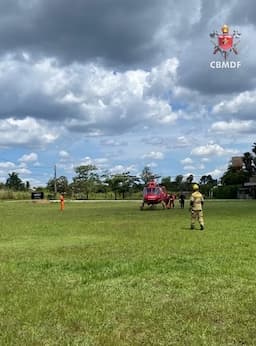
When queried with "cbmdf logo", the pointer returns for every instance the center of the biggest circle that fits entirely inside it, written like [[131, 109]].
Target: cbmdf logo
[[225, 45]]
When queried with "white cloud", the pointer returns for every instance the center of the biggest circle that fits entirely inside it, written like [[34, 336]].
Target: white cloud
[[155, 155], [201, 166], [64, 155], [113, 143], [98, 162], [189, 168], [118, 169], [152, 164], [187, 161], [243, 103], [212, 150], [103, 101], [205, 159], [182, 142], [190, 165], [101, 161], [7, 165], [160, 111], [23, 170], [217, 172], [234, 126], [161, 77], [29, 157], [25, 131]]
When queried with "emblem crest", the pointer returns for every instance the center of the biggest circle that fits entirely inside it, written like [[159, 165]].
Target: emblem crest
[[224, 42]]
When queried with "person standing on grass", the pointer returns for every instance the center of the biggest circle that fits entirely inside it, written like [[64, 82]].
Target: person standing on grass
[[182, 200], [62, 202], [171, 201], [196, 207]]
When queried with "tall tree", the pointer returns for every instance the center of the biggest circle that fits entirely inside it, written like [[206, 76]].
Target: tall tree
[[248, 162], [14, 182], [85, 180], [121, 183], [61, 184], [178, 183], [254, 148], [254, 158], [147, 175], [207, 182], [234, 177], [179, 179], [203, 180], [113, 182], [166, 181], [189, 181]]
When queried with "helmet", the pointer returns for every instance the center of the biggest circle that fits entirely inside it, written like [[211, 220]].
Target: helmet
[[225, 29], [195, 187]]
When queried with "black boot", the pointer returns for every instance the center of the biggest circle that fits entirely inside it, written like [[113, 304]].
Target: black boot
[[201, 227]]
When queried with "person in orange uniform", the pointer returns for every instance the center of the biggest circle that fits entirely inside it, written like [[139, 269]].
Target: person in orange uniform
[[62, 202]]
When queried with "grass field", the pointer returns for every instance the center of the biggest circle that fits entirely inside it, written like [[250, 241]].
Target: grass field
[[104, 273]]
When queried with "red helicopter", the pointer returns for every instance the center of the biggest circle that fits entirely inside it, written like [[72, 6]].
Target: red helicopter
[[154, 194]]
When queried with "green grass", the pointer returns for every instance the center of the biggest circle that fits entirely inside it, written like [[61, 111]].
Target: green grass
[[104, 273]]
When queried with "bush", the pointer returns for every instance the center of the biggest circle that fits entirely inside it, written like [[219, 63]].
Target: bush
[[14, 195], [226, 192]]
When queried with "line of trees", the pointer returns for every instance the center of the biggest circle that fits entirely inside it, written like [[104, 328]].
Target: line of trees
[[87, 181]]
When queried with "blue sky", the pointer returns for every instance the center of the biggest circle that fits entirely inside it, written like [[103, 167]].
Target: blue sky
[[122, 85]]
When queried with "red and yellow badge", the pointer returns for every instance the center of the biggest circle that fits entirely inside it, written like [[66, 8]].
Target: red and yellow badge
[[225, 42]]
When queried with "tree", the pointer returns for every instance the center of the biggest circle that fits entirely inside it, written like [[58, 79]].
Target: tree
[[207, 182], [211, 181], [189, 179], [203, 180], [85, 180], [179, 179], [147, 175], [254, 157], [248, 162], [254, 148], [14, 182], [61, 184], [234, 176], [113, 183], [121, 183], [166, 181], [241, 175], [179, 185]]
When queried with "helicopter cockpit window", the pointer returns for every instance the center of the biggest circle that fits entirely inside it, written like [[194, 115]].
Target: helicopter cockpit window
[[151, 191], [146, 191]]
